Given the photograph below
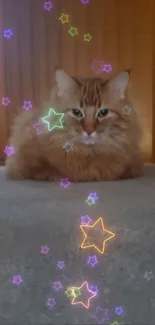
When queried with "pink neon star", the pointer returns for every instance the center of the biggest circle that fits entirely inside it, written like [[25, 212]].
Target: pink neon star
[[57, 286], [97, 66], [9, 151], [41, 127], [85, 296], [107, 68], [5, 101], [65, 182], [48, 5], [44, 250], [17, 279], [27, 105]]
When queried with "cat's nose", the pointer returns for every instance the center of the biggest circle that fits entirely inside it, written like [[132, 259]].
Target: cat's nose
[[89, 131]]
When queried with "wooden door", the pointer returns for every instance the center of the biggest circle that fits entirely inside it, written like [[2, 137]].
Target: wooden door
[[122, 36]]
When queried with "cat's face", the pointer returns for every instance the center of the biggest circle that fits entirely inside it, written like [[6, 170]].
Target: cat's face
[[92, 107]]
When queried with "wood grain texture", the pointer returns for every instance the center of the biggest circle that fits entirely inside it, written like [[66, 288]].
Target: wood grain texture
[[122, 35]]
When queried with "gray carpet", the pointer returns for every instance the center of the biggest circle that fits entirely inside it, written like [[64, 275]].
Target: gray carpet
[[35, 214]]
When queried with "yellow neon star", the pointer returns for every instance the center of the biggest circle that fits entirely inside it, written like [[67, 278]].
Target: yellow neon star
[[73, 31], [91, 294], [87, 37], [115, 323], [88, 228], [64, 19]]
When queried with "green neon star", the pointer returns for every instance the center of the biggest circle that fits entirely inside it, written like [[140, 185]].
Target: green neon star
[[73, 292], [73, 31], [90, 201], [69, 292], [51, 112]]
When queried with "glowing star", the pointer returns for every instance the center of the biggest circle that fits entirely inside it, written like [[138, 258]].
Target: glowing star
[[41, 127], [49, 117], [48, 5], [73, 31], [44, 250], [101, 315], [89, 201], [17, 279], [85, 220], [57, 286], [87, 37], [97, 66], [93, 197], [61, 265], [9, 151], [69, 292], [115, 323], [94, 289], [8, 33], [5, 101], [119, 310], [126, 110], [73, 292], [84, 289], [64, 19], [92, 260], [148, 275], [68, 147], [65, 182], [85, 2], [51, 302], [92, 236], [27, 105], [107, 68]]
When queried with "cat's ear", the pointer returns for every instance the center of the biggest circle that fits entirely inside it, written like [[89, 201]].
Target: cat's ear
[[118, 85], [65, 83]]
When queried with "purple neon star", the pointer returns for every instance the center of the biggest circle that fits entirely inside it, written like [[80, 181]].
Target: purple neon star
[[94, 289], [107, 68], [8, 33], [101, 315], [61, 265], [65, 182], [44, 250], [84, 2], [40, 127], [97, 66], [5, 101], [27, 105], [51, 302], [17, 279], [9, 151], [92, 260], [119, 310], [93, 197], [57, 286], [85, 220], [48, 5]]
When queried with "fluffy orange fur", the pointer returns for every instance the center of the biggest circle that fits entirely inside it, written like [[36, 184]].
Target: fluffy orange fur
[[105, 146]]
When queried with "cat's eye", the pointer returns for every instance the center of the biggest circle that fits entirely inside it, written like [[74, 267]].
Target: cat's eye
[[76, 112], [102, 113]]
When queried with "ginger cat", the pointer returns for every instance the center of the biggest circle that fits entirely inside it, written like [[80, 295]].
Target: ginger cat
[[99, 125]]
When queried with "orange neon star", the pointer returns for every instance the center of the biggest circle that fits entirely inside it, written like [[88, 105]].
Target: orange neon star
[[87, 228], [75, 300]]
